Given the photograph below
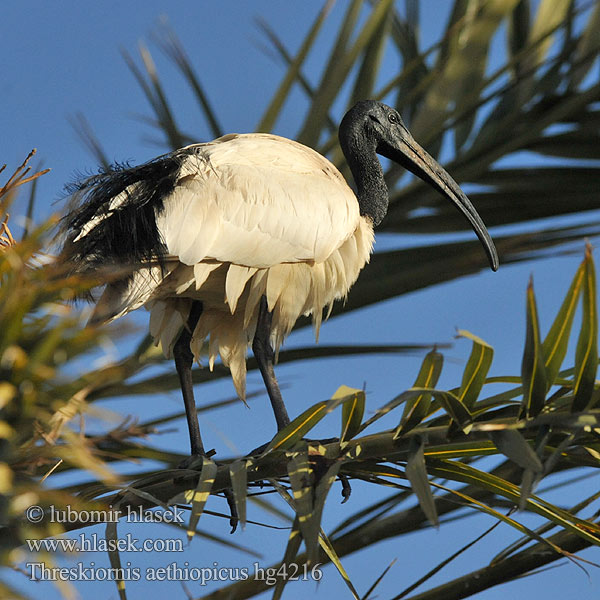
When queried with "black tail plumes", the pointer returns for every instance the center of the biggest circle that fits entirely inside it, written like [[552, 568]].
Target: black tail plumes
[[123, 201]]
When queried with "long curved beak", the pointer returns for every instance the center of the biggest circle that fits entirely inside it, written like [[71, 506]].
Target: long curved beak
[[408, 154]]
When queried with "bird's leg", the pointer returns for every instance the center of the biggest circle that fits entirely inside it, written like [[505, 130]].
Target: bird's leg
[[183, 363], [263, 351]]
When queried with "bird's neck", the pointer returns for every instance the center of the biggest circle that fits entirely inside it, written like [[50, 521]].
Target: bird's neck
[[372, 192]]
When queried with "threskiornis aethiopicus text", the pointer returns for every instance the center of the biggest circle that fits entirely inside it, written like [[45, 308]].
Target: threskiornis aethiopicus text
[[235, 239]]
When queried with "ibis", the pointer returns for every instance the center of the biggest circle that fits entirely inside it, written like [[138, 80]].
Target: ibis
[[231, 241]]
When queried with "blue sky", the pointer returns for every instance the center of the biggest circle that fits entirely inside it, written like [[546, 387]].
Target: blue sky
[[64, 58]]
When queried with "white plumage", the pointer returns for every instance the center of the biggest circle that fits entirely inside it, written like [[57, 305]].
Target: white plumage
[[250, 214]]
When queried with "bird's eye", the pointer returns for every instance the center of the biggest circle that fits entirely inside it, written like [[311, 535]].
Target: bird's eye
[[393, 118]]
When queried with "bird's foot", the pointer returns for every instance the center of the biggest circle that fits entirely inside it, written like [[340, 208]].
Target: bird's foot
[[233, 513], [258, 451], [346, 488], [194, 463]]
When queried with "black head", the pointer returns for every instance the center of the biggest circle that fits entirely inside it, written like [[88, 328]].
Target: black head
[[371, 127]]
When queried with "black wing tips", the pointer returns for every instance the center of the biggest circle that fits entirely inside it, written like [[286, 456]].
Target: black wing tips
[[111, 216]]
